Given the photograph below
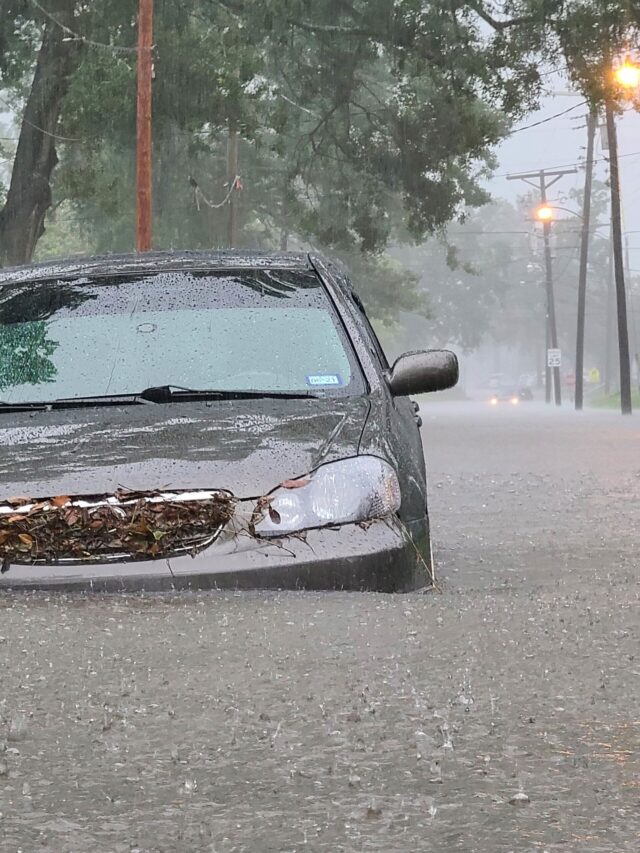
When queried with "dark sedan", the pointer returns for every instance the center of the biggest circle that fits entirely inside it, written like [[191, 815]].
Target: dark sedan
[[207, 420]]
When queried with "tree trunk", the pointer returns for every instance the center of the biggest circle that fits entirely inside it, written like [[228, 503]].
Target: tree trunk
[[29, 196]]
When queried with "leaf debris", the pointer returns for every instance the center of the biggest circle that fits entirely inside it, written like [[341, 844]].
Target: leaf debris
[[140, 525]]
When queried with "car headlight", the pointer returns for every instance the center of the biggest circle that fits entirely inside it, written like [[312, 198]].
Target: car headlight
[[350, 490]]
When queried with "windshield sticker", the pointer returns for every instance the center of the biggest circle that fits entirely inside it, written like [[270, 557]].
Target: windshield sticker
[[324, 379]]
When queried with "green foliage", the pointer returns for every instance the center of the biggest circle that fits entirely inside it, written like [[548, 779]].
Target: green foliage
[[586, 36], [362, 124], [485, 280], [24, 354], [387, 287]]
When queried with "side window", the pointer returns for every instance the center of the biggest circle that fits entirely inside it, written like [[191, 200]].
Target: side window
[[368, 328]]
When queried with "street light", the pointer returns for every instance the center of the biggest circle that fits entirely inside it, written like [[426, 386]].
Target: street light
[[544, 213], [627, 75]]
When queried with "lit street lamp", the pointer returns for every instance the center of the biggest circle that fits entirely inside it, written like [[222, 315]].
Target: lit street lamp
[[627, 75], [544, 213], [542, 180]]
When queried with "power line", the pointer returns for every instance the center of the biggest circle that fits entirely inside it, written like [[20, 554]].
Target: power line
[[576, 163], [545, 120], [41, 129]]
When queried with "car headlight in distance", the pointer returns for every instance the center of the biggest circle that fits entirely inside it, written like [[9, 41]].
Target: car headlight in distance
[[350, 490]]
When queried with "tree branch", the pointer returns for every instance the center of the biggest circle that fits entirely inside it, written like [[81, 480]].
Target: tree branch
[[500, 26]]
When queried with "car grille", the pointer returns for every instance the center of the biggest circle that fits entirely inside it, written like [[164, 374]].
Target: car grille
[[126, 526]]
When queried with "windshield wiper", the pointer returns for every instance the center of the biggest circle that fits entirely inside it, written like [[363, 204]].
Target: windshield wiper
[[71, 403], [173, 394], [22, 407], [154, 394]]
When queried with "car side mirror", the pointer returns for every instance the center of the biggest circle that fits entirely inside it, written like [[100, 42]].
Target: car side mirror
[[423, 371]]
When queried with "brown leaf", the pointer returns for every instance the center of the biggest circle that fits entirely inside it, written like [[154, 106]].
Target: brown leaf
[[19, 501], [72, 516], [26, 539], [295, 484], [13, 518], [274, 515], [60, 500]]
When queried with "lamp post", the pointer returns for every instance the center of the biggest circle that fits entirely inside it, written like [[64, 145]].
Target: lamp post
[[544, 214], [544, 179]]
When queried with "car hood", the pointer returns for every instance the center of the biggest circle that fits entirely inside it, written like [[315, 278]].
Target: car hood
[[247, 447]]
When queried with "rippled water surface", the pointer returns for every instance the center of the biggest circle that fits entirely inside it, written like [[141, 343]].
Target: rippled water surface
[[500, 714]]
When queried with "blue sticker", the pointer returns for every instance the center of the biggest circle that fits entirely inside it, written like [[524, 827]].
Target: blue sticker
[[324, 379]]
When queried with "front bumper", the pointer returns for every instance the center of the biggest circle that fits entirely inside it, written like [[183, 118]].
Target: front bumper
[[385, 557]]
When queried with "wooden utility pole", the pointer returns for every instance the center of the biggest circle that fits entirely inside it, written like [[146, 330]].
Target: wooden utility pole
[[232, 174], [618, 262], [543, 183], [592, 123], [551, 303], [143, 127], [609, 332]]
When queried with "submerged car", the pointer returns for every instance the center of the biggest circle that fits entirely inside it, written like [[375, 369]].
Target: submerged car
[[176, 420]]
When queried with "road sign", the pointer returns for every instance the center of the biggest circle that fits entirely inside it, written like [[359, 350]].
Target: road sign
[[554, 358]]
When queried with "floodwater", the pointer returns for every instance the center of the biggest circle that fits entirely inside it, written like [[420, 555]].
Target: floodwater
[[500, 713]]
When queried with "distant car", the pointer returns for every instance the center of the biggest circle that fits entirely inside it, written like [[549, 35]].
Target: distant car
[[175, 420], [510, 394]]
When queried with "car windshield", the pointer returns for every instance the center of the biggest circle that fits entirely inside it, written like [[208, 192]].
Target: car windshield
[[263, 330]]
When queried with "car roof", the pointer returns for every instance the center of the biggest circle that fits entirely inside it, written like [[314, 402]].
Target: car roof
[[152, 262]]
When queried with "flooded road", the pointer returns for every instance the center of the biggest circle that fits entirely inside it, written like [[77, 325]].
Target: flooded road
[[499, 714]]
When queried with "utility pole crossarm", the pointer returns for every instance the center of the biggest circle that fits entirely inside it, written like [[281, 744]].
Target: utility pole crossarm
[[553, 173]]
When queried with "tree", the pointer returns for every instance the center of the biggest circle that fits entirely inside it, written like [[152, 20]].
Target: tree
[[403, 97], [24, 355], [29, 194]]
